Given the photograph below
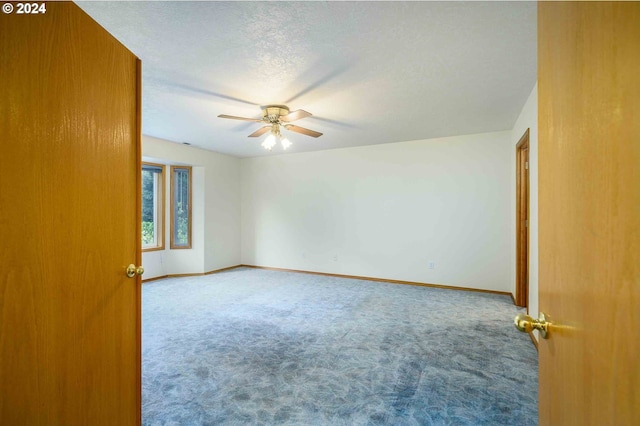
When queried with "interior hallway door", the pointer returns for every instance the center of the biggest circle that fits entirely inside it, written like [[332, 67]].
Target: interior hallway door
[[589, 211], [69, 221]]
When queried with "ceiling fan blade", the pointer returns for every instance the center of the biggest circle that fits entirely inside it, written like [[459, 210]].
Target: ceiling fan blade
[[295, 115], [261, 131], [233, 117], [302, 130]]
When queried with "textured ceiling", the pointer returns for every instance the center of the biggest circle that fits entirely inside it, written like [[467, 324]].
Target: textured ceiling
[[369, 72]]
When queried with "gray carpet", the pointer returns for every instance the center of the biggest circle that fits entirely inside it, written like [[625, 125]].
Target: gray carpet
[[258, 347]]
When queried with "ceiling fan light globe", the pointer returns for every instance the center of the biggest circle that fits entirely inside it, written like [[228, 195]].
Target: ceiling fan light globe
[[286, 143], [269, 142]]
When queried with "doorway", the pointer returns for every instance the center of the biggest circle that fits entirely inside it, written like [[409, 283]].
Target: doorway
[[522, 221]]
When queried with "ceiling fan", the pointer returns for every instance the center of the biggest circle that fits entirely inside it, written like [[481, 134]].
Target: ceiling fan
[[275, 117]]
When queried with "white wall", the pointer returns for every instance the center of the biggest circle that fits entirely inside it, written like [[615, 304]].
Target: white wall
[[386, 210], [528, 119], [215, 210]]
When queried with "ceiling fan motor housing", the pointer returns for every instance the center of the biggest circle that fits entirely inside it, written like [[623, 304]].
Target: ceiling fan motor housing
[[272, 113]]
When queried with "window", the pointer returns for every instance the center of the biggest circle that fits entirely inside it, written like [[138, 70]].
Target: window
[[180, 207], [152, 206]]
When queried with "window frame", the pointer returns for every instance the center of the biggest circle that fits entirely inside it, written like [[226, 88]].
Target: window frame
[[172, 245], [160, 208]]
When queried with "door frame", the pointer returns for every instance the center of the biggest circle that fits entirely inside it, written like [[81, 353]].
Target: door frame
[[522, 221]]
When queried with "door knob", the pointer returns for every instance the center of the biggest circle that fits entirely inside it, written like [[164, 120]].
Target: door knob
[[132, 270], [526, 324]]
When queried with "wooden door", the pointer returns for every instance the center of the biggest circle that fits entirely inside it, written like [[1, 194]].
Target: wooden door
[[522, 221], [589, 205], [69, 221]]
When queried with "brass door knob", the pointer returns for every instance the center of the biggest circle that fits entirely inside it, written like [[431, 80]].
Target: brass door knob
[[526, 324], [132, 270]]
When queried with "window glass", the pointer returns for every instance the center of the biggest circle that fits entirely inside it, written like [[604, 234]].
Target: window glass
[[180, 207], [152, 206]]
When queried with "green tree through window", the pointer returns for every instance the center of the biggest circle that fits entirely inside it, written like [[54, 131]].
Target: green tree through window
[[152, 195]]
